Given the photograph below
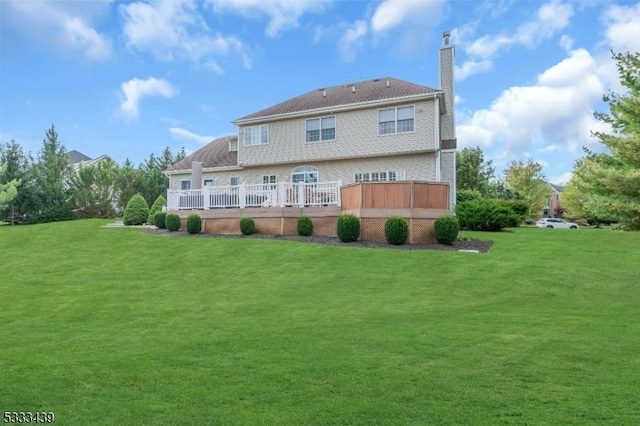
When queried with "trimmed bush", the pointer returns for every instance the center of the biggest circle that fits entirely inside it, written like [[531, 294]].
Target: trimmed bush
[[247, 226], [194, 224], [172, 221], [305, 226], [159, 220], [136, 212], [156, 207], [485, 215], [396, 230], [348, 227], [446, 228]]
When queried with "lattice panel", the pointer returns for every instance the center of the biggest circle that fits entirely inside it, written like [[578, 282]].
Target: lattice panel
[[421, 231], [372, 229]]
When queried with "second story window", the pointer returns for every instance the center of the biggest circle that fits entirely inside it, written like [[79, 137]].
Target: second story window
[[256, 135], [321, 129], [395, 120]]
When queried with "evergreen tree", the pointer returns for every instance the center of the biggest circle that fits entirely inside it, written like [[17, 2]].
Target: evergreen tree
[[50, 180], [93, 188], [612, 179]]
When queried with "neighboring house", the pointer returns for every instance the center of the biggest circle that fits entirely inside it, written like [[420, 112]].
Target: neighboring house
[[553, 207], [78, 159], [378, 130]]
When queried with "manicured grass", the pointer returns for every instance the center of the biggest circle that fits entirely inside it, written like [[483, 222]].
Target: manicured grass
[[116, 326]]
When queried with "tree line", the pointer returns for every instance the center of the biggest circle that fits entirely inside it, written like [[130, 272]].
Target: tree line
[[605, 187], [48, 188]]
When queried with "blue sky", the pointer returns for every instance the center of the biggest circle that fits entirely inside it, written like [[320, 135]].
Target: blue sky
[[129, 78]]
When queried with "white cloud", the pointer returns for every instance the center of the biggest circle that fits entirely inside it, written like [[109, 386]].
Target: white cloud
[[623, 28], [136, 89], [350, 40], [174, 30], [184, 134], [283, 14], [557, 109], [470, 68], [566, 42], [392, 13], [62, 27], [550, 18], [562, 179]]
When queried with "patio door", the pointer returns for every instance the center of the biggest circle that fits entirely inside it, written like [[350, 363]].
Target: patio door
[[304, 174]]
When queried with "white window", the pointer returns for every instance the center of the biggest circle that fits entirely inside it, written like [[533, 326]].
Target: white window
[[185, 185], [396, 120], [304, 174], [256, 135], [234, 181], [321, 129], [269, 179], [386, 176], [208, 182], [233, 146]]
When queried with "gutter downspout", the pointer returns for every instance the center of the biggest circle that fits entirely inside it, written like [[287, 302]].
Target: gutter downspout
[[436, 123]]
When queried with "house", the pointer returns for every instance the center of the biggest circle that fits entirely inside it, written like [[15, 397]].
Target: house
[[78, 159], [381, 130], [553, 207]]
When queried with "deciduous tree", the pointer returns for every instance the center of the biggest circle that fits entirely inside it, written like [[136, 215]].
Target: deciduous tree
[[528, 180]]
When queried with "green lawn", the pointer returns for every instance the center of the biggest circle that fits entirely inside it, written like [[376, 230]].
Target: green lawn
[[116, 326]]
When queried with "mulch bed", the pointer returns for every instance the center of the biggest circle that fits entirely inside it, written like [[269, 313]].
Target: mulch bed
[[463, 244]]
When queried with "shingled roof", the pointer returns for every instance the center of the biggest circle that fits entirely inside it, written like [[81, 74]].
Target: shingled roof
[[213, 154], [342, 95]]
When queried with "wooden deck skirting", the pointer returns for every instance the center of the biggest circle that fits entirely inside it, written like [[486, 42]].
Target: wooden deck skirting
[[421, 203]]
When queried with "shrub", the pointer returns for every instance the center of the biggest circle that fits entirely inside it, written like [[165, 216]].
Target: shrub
[[159, 220], [305, 226], [172, 221], [446, 229], [484, 215], [194, 224], [156, 207], [136, 212], [247, 226], [396, 230], [519, 208], [464, 195], [348, 227]]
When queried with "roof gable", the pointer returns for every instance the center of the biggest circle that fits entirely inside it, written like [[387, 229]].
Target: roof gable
[[379, 89], [215, 154]]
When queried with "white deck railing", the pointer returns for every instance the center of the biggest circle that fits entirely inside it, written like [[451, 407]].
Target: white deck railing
[[266, 195]]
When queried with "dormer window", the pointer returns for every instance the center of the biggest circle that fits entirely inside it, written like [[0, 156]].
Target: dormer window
[[233, 145], [321, 129]]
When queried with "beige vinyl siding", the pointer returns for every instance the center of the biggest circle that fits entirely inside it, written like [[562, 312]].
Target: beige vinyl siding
[[448, 172], [174, 180], [447, 85], [356, 136], [416, 167]]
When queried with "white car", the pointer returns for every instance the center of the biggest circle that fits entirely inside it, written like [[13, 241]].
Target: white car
[[555, 223]]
